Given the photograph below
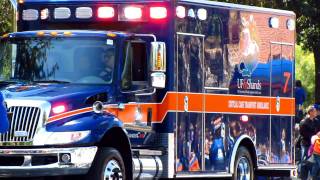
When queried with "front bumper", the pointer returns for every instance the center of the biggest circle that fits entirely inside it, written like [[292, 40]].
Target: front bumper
[[46, 161]]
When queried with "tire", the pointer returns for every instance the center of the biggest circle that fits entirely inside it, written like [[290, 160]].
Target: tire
[[108, 164], [243, 166]]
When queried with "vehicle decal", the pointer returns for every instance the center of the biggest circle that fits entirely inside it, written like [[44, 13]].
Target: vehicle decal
[[197, 102]]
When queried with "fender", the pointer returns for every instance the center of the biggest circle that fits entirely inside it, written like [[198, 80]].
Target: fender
[[235, 148]]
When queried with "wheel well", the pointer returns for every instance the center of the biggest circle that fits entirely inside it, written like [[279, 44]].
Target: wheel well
[[247, 143], [117, 138]]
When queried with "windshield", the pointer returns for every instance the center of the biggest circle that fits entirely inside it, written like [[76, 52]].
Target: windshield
[[84, 60]]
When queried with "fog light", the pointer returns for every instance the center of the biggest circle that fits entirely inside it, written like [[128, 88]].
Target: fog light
[[65, 158]]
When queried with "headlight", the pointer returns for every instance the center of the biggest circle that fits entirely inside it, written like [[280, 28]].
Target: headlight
[[55, 138]]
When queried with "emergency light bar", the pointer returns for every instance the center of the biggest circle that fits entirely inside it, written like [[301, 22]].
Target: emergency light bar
[[121, 12]]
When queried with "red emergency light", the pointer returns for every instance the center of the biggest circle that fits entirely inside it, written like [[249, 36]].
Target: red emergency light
[[59, 109], [244, 118], [158, 12], [105, 12]]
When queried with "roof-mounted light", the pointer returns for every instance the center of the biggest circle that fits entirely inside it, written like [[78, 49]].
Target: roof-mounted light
[[84, 13], [67, 33], [158, 12], [291, 25], [274, 22], [191, 13], [54, 34], [131, 13], [62, 13], [44, 14], [30, 15], [202, 14], [181, 12], [40, 33], [105, 12]]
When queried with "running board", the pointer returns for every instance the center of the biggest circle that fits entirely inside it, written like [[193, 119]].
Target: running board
[[203, 175], [147, 152], [282, 168]]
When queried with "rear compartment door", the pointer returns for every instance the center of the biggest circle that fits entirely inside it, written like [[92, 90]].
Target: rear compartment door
[[281, 89], [190, 83]]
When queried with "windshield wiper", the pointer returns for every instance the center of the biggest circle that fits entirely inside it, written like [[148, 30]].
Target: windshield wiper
[[51, 81]]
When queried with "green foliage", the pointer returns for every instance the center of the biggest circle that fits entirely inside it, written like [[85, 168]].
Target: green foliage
[[305, 72], [261, 3], [6, 17]]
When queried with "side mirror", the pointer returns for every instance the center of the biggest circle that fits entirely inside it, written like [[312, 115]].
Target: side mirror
[[158, 80], [158, 65]]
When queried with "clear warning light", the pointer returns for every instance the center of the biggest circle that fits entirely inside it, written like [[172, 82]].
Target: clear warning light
[[132, 12], [202, 14], [181, 12]]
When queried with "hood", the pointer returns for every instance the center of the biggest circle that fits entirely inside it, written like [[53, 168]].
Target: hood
[[55, 93]]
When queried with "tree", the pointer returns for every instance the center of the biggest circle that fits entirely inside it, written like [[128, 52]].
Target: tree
[[6, 17], [305, 62], [308, 31]]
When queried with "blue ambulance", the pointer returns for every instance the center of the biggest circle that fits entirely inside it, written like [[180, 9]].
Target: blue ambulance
[[148, 89]]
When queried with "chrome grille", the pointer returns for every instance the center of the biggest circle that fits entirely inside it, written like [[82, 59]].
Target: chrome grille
[[24, 119]]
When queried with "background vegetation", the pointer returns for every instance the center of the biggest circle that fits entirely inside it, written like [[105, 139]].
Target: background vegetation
[[6, 17], [305, 72]]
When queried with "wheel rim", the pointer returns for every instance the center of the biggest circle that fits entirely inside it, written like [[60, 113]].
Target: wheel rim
[[243, 169], [113, 170]]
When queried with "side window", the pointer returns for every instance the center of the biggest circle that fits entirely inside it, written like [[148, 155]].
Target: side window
[[215, 64], [135, 70]]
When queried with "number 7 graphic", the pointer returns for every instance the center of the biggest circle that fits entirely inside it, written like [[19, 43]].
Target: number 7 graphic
[[287, 75]]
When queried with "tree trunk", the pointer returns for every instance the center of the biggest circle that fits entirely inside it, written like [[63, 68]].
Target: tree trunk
[[316, 51]]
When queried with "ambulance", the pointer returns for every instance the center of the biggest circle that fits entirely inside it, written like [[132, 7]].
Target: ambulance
[[148, 89]]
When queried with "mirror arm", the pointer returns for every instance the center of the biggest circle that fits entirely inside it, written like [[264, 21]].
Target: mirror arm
[[147, 94]]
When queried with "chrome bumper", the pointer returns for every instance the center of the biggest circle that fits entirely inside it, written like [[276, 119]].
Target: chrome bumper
[[46, 161]]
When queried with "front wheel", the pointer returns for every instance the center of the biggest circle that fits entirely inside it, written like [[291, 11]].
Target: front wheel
[[108, 164], [243, 165]]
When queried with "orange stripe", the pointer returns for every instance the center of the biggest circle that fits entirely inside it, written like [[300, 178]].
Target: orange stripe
[[207, 103], [68, 114], [197, 102]]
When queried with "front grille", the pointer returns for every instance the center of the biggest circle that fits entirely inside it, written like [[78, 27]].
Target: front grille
[[23, 124]]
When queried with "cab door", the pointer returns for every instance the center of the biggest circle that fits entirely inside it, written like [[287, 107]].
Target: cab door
[[190, 82]]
